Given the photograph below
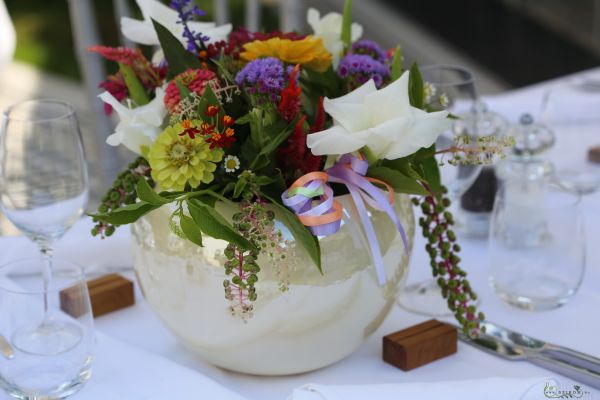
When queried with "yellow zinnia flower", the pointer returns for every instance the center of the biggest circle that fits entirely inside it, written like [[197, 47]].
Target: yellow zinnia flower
[[309, 52], [176, 160]]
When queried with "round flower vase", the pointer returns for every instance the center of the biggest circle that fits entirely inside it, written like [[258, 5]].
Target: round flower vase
[[316, 320]]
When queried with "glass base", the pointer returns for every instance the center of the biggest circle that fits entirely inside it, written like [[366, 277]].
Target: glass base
[[546, 294], [425, 298], [62, 392], [51, 338]]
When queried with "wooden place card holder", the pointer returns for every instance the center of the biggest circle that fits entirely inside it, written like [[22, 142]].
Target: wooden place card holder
[[419, 345], [594, 155], [107, 293]]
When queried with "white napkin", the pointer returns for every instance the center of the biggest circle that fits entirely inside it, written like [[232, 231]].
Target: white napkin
[[488, 389]]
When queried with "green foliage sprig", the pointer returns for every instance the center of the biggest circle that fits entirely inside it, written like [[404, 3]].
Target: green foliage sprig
[[122, 194]]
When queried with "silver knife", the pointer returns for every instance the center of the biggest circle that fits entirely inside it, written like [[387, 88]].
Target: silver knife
[[6, 349], [515, 346]]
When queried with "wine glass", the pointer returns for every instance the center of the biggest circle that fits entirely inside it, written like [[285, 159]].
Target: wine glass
[[43, 191], [537, 242], [60, 364], [572, 113], [452, 88]]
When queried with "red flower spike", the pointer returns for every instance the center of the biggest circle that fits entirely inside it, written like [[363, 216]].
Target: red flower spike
[[289, 105], [319, 124], [211, 110], [189, 129], [296, 156]]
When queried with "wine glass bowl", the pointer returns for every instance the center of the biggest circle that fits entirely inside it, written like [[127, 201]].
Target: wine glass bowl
[[43, 179]]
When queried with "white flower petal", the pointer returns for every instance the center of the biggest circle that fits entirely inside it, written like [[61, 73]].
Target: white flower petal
[[137, 126], [351, 116], [336, 140], [390, 102], [329, 29], [358, 95], [138, 32], [313, 17], [142, 31], [423, 131], [356, 31]]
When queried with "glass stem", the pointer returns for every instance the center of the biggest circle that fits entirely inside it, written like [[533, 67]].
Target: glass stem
[[46, 251]]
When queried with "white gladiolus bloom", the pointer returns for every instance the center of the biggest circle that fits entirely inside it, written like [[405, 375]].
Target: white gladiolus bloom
[[142, 31], [137, 126], [381, 119], [329, 29]]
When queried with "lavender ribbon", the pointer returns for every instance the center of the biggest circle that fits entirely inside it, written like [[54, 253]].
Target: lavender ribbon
[[300, 201], [363, 191], [350, 171]]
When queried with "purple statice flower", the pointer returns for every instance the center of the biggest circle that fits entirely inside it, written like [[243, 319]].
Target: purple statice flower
[[187, 10], [369, 48], [356, 69], [264, 77]]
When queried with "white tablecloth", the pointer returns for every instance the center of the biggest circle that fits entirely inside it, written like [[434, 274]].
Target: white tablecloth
[[576, 325]]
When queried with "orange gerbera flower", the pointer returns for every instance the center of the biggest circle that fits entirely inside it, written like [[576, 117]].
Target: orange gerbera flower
[[309, 52]]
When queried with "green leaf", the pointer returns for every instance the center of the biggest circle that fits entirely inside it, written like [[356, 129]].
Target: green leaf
[[191, 231], [300, 232], [263, 180], [403, 165], [401, 183], [213, 224], [147, 194], [240, 185], [183, 91], [430, 171], [424, 152], [415, 86], [178, 58], [276, 134], [126, 214], [397, 64], [347, 24], [244, 119], [134, 86], [209, 98]]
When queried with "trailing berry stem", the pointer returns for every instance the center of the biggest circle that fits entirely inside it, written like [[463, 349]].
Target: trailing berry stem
[[443, 250]]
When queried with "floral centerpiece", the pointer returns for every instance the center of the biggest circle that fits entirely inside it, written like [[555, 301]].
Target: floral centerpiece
[[277, 123]]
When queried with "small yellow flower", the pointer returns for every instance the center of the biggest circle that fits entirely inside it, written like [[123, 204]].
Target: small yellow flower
[[309, 52], [176, 160]]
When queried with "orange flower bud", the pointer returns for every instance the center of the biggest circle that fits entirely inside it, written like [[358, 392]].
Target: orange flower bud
[[211, 110], [227, 120]]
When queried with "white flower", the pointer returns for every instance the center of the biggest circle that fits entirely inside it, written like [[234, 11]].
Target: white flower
[[382, 119], [429, 90], [444, 101], [231, 163], [138, 126], [142, 31], [329, 29]]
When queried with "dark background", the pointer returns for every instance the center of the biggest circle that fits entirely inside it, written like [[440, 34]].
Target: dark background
[[520, 41]]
